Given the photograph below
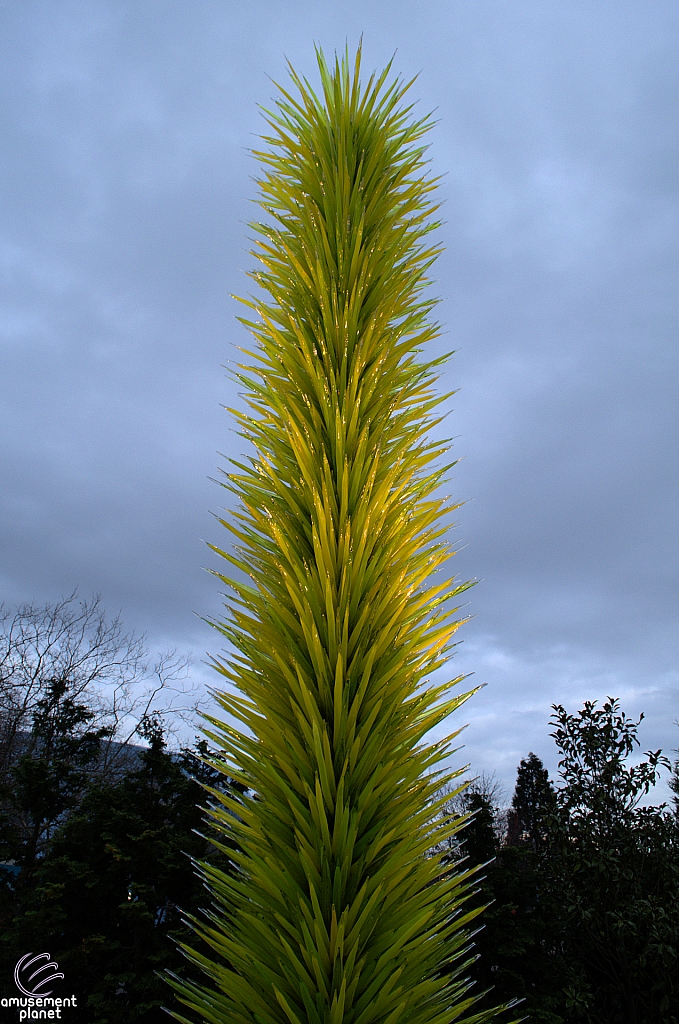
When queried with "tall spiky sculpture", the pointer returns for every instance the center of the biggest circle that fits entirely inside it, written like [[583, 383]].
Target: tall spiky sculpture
[[336, 911]]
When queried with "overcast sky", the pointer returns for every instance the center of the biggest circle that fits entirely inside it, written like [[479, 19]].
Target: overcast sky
[[126, 189]]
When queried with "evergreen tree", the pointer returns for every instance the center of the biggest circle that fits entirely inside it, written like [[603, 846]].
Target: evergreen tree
[[479, 838], [337, 915], [103, 897], [47, 777], [516, 942], [533, 804]]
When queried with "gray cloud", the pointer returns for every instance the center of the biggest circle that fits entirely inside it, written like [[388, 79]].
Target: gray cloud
[[127, 187]]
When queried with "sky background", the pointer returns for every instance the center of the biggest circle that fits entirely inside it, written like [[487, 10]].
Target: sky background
[[126, 188]]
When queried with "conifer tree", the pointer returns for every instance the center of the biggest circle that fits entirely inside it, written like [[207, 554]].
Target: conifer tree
[[338, 912], [533, 803]]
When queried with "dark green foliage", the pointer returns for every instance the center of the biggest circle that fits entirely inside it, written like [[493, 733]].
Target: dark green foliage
[[103, 897], [517, 946], [516, 943], [599, 787], [74, 691], [533, 805], [614, 867], [585, 919], [47, 777], [479, 837], [92, 828], [674, 786]]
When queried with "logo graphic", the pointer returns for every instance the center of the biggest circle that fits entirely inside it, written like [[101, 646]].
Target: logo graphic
[[30, 979]]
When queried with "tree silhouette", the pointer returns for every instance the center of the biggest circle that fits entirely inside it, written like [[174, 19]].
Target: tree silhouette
[[533, 803]]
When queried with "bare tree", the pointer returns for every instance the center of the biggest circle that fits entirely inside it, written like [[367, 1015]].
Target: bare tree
[[76, 690], [72, 642], [463, 802]]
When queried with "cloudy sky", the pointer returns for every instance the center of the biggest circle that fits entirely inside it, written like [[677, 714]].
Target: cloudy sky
[[126, 189]]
